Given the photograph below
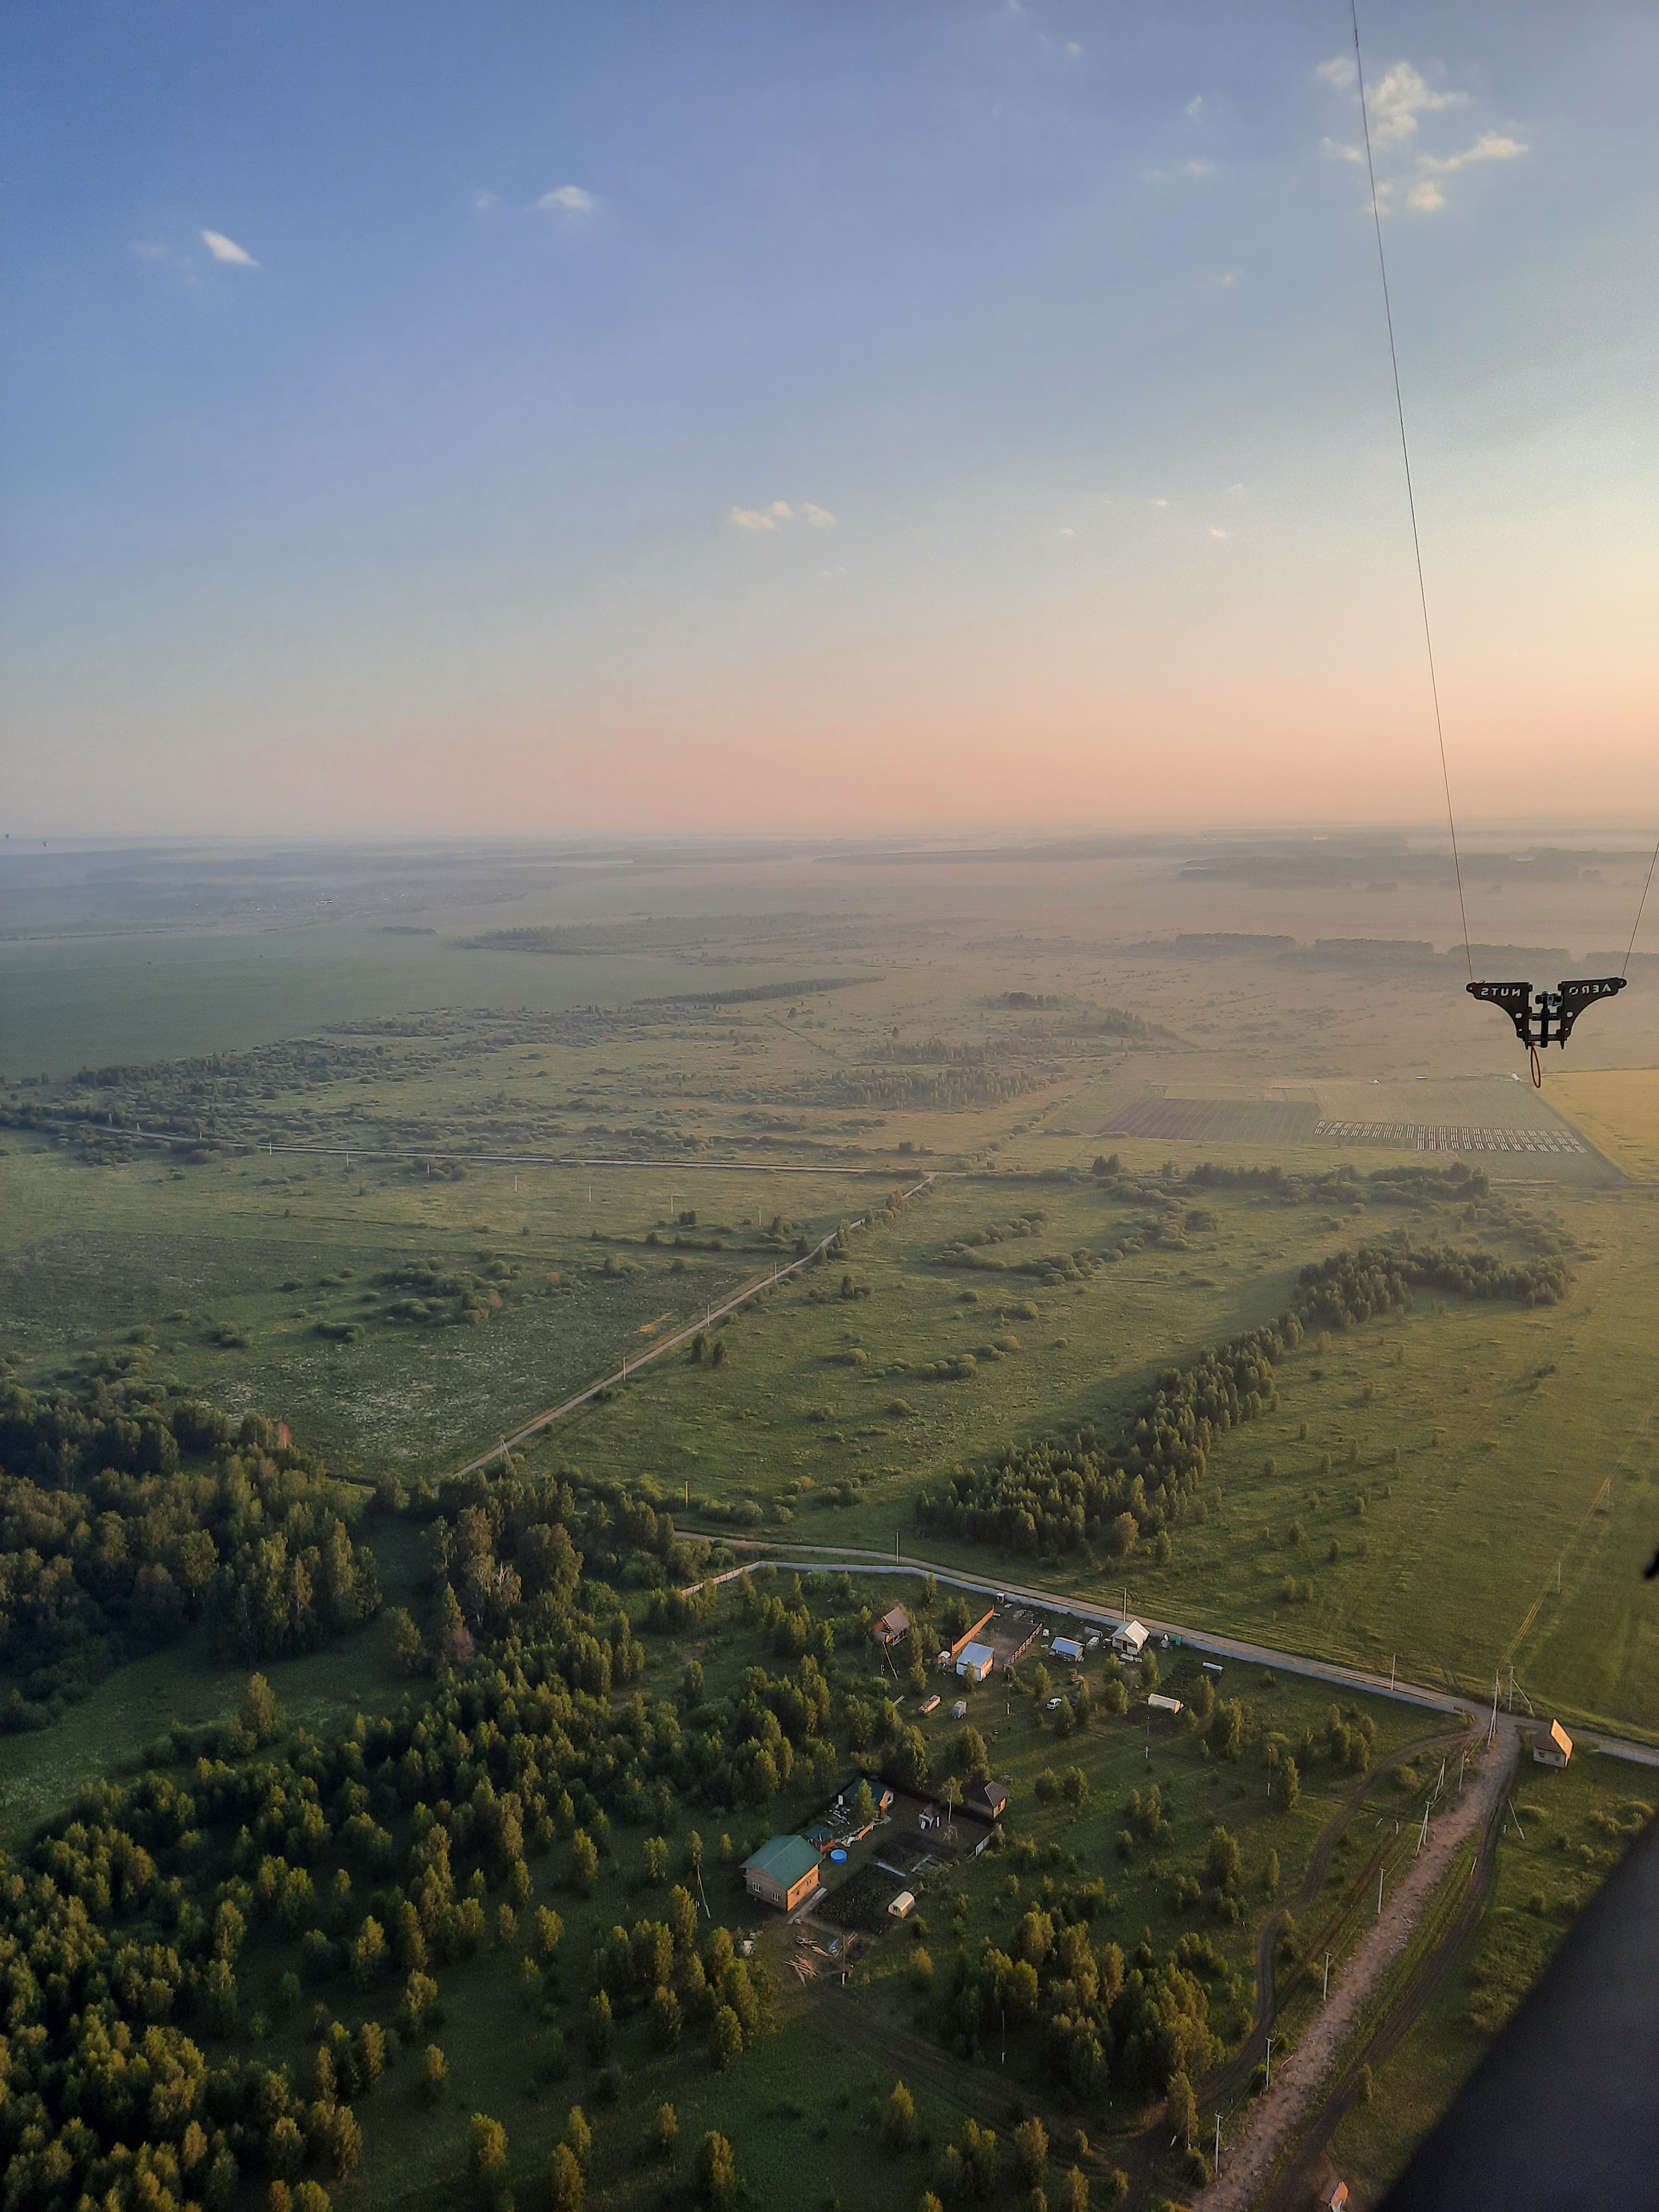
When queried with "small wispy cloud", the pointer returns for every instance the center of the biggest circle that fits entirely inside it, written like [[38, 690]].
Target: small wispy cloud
[[148, 249], [1491, 146], [1402, 96], [762, 518], [1195, 106], [1214, 532], [226, 249], [482, 202], [1074, 53], [1157, 503], [1228, 278], [1063, 531], [1196, 167], [1405, 175], [567, 199], [780, 512]]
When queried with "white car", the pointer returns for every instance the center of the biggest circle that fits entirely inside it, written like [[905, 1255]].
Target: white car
[[1054, 1704]]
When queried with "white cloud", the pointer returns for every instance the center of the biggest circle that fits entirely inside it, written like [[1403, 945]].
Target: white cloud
[[1400, 97], [1214, 532], [1491, 146], [1064, 532], [1073, 50], [1425, 197], [764, 517], [1334, 150], [1196, 169], [568, 199], [226, 249], [482, 202], [1195, 106], [817, 518], [1228, 278], [150, 249], [1236, 489], [1337, 73], [1159, 502]]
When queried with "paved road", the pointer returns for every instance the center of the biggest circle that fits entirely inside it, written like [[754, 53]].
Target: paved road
[[668, 1344], [850, 1560]]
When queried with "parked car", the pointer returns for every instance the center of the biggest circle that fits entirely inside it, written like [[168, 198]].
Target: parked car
[[1054, 1704]]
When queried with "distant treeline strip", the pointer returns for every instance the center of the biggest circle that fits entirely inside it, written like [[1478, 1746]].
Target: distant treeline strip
[[754, 993], [41, 1117], [1055, 1497]]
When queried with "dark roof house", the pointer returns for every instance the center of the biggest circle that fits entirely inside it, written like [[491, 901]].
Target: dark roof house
[[986, 1801]]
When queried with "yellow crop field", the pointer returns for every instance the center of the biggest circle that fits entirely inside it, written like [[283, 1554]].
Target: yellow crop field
[[1618, 1110]]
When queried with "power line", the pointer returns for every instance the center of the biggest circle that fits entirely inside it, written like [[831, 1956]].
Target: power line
[[1411, 500], [1637, 924]]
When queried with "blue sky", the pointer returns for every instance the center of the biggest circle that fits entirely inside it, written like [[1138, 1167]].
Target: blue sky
[[400, 402]]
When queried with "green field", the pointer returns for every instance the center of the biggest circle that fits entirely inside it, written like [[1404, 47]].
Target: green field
[[1572, 1829], [404, 1192]]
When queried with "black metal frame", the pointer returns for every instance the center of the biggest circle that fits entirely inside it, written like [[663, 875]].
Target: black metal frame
[[1546, 1018]]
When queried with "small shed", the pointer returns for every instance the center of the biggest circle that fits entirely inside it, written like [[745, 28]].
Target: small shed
[[1553, 1746], [959, 1711], [1067, 1647], [892, 1627], [1159, 1703], [1130, 1640], [986, 1801], [929, 1704], [902, 1906], [784, 1872], [976, 1662]]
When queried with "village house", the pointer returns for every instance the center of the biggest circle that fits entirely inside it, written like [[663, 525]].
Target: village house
[[784, 1872], [893, 1626], [985, 1800], [1552, 1746]]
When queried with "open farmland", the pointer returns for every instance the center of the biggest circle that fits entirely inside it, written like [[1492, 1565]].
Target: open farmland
[[458, 1178]]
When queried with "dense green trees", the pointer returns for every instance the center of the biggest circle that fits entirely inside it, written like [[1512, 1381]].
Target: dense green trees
[[1060, 1497], [120, 1524]]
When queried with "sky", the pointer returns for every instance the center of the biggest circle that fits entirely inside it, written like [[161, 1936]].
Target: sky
[[419, 418]]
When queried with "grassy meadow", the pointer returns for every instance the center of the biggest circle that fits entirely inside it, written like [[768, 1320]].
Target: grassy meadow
[[1572, 1829], [404, 1184]]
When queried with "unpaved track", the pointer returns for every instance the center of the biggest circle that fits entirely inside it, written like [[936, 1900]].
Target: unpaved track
[[1285, 2108]]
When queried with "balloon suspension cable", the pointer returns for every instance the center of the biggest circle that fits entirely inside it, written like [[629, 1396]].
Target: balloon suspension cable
[[1637, 924], [1537, 1067], [1411, 500]]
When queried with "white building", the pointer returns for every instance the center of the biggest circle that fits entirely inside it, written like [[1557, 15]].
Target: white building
[[1128, 1641]]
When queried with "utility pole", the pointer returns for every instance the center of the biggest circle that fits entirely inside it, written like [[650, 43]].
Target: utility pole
[[1325, 1993], [1218, 2139], [1379, 1893], [1392, 1660], [1267, 2075]]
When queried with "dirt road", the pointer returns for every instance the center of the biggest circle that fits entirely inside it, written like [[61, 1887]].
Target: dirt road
[[1286, 2106]]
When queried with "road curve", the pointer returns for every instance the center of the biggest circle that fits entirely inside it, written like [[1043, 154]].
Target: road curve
[[852, 1559]]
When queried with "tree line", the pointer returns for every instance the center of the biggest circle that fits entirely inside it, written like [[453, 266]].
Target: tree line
[[1056, 1497]]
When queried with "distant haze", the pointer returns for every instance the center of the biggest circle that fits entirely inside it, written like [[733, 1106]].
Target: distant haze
[[651, 419]]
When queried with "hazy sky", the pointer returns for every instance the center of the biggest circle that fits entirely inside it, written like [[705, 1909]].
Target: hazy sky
[[430, 417]]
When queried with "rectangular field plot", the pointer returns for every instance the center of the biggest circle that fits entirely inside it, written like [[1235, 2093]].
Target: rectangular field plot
[[1618, 1110], [1202, 1120], [1426, 1137]]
